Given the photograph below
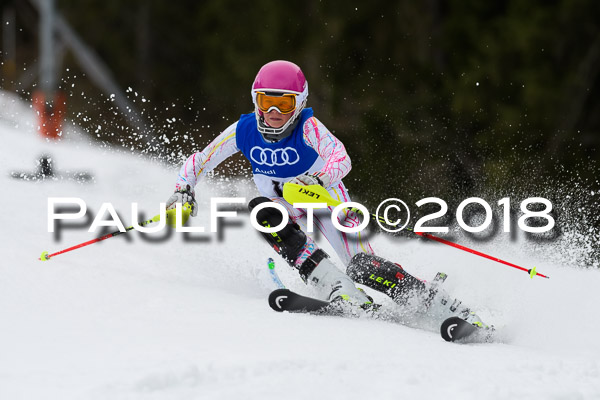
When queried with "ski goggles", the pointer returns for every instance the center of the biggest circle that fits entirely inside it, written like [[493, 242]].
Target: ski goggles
[[285, 103]]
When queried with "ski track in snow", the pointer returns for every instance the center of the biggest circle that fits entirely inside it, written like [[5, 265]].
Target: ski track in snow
[[128, 319]]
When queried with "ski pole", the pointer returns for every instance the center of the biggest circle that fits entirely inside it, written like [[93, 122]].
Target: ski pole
[[186, 211], [45, 256], [532, 272], [294, 193]]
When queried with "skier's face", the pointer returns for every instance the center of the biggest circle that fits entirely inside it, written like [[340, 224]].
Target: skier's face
[[275, 119]]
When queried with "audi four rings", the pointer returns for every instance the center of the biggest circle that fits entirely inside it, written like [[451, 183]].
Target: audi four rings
[[278, 157]]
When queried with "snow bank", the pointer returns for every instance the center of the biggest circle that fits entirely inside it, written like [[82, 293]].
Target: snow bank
[[130, 319]]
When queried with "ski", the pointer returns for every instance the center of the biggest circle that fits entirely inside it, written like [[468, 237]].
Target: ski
[[458, 322], [286, 300], [457, 329], [453, 329]]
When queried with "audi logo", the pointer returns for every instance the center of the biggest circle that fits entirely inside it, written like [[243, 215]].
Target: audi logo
[[277, 157]]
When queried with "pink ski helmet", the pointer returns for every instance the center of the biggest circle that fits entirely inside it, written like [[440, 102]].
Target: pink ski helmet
[[278, 78]]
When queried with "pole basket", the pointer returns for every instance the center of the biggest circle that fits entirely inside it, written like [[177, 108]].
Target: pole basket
[[51, 113]]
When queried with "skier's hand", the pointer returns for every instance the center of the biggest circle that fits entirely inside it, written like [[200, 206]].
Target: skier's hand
[[183, 195], [316, 178]]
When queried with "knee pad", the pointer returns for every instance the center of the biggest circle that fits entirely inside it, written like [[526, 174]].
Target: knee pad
[[384, 276], [288, 241]]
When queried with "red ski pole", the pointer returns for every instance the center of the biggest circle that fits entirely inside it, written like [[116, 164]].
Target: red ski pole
[[532, 272], [169, 215], [45, 256]]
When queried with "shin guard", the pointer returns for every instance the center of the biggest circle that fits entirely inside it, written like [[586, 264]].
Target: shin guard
[[384, 276], [289, 241]]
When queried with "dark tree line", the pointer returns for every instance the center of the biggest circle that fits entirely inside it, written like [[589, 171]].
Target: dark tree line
[[437, 98]]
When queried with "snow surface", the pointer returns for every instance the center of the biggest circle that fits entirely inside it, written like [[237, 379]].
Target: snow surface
[[129, 319]]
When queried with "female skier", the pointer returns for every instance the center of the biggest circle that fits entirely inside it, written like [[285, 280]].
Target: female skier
[[284, 142]]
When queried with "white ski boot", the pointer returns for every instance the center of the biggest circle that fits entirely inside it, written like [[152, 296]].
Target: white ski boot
[[440, 305], [334, 285]]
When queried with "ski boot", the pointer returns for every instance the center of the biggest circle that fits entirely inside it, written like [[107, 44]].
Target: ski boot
[[406, 290], [441, 306], [335, 286]]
